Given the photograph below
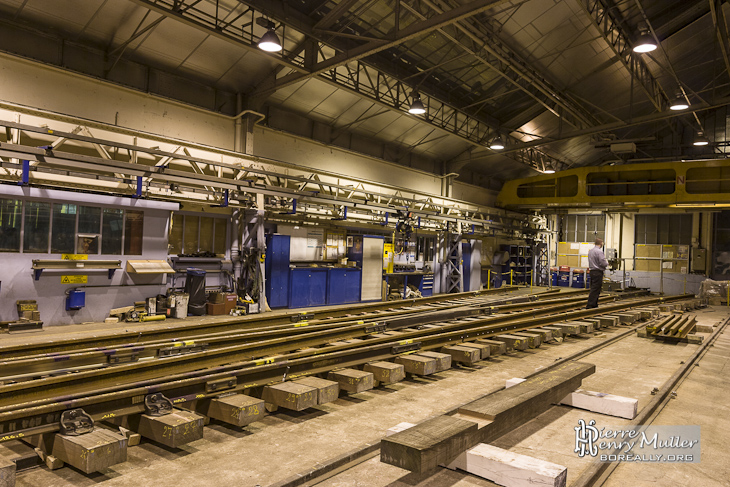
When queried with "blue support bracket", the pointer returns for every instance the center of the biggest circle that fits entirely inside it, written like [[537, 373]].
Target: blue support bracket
[[138, 193], [293, 208], [224, 202], [111, 273], [419, 222], [344, 215], [385, 223], [25, 178], [37, 273]]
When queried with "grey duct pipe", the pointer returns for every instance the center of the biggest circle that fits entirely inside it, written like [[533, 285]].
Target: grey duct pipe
[[236, 244]]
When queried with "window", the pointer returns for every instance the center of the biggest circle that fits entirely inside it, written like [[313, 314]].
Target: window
[[10, 211], [663, 229], [112, 231], [190, 234], [37, 226], [582, 228], [133, 232], [63, 229]]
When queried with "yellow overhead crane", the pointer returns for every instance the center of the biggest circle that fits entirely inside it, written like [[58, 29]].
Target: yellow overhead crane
[[678, 184]]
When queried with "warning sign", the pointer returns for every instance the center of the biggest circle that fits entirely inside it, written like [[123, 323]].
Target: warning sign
[[74, 279], [74, 257]]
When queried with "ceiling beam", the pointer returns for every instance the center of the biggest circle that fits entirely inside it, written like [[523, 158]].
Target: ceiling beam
[[718, 18]]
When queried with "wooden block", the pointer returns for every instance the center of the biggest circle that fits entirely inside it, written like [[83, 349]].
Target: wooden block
[[236, 409], [352, 380], [415, 364], [621, 407], [568, 328], [425, 446], [585, 327], [385, 372], [462, 355], [327, 390], [91, 452], [483, 348], [133, 439], [510, 469], [120, 311], [512, 342], [704, 329], [7, 473], [513, 382], [642, 333], [533, 339], [291, 396], [174, 430], [596, 323], [607, 320], [545, 335], [111, 319], [495, 346], [443, 359], [557, 332], [398, 428], [616, 320]]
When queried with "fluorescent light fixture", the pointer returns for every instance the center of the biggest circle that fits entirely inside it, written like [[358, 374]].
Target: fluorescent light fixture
[[549, 171], [497, 143], [701, 139], [679, 102], [270, 42], [645, 43], [417, 107]]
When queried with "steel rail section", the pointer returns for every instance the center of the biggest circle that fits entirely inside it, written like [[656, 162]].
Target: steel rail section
[[26, 414], [22, 367]]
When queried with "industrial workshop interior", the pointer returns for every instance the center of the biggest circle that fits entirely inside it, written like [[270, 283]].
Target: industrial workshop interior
[[364, 243]]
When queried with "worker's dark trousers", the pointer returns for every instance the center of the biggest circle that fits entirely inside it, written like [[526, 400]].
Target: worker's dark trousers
[[596, 283]]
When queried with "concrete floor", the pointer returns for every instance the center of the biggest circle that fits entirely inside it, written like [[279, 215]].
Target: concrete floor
[[285, 444]]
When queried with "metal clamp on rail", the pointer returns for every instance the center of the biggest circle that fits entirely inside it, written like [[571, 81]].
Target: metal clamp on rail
[[302, 317], [75, 422], [376, 328], [221, 384], [405, 346], [180, 348], [157, 405]]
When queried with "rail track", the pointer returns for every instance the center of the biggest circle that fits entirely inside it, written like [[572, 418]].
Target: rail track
[[261, 357]]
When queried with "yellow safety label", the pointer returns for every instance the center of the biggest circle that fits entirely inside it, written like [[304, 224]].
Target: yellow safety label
[[360, 322], [405, 342], [28, 307], [265, 361], [186, 343], [74, 257], [74, 279], [301, 323]]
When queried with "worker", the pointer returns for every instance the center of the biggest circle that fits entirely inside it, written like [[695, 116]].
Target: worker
[[597, 263]]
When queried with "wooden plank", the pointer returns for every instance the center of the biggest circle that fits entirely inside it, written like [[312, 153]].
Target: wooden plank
[[352, 380], [512, 342], [607, 320], [534, 340], [290, 396], [510, 469], [174, 430], [327, 390], [483, 348], [496, 347], [236, 409], [443, 359], [91, 452], [441, 439], [425, 446], [585, 327], [619, 406], [385, 372], [417, 365], [462, 355], [545, 335]]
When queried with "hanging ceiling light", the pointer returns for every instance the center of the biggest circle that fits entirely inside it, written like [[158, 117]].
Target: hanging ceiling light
[[679, 102], [497, 143], [269, 42], [701, 139], [549, 170], [417, 107], [645, 42]]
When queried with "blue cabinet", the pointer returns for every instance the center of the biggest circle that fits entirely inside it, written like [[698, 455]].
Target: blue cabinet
[[343, 286], [277, 270], [307, 287]]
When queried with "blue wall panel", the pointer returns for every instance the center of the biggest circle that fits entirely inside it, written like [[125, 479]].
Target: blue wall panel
[[277, 270]]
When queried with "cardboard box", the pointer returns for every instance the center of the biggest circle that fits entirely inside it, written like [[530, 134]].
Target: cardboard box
[[216, 308], [230, 302], [217, 298]]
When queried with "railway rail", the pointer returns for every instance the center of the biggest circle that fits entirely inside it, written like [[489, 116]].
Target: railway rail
[[35, 407]]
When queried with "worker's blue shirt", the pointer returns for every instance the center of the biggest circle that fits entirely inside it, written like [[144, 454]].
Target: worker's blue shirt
[[596, 260]]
